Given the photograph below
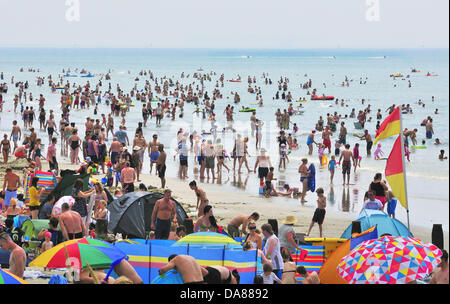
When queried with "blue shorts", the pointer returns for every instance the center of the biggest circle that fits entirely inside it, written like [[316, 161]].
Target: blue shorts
[[154, 156], [118, 180], [391, 205], [309, 141], [429, 134]]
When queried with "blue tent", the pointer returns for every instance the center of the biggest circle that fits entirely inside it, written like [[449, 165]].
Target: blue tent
[[384, 223]]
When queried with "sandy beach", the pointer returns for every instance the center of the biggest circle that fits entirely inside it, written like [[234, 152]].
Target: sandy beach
[[229, 202]]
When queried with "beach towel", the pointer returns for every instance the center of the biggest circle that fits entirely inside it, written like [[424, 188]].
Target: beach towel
[[58, 279], [312, 178]]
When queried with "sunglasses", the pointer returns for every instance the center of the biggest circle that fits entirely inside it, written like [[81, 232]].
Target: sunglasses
[[251, 228]]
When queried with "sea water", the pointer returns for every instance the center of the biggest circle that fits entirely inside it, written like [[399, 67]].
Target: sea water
[[427, 176]]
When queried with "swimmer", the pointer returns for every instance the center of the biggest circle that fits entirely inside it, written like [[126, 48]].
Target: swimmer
[[437, 142]]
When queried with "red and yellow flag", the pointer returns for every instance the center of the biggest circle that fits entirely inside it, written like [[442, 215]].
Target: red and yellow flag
[[394, 173], [390, 126]]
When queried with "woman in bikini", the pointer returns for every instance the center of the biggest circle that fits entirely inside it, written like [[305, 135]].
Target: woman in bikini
[[253, 237], [201, 198], [6, 147], [206, 222]]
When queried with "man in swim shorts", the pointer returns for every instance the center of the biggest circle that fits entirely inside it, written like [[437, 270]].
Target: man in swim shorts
[[153, 152], [326, 138], [72, 225], [347, 155]]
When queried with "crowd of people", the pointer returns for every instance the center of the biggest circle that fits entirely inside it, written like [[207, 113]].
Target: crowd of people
[[120, 162]]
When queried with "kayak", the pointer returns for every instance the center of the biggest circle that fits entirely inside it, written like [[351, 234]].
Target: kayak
[[419, 147], [89, 75], [68, 75], [301, 100], [432, 75], [397, 75], [235, 80], [247, 110], [315, 97]]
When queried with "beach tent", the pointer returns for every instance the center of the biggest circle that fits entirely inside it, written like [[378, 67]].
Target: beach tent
[[131, 214], [148, 256], [47, 180], [65, 186], [328, 272], [384, 223]]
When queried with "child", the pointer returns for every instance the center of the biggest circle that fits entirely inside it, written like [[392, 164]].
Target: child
[[295, 128], [378, 153], [337, 148], [321, 152], [283, 156], [295, 144], [269, 190], [441, 155], [391, 204], [268, 276], [319, 214], [295, 191], [332, 166], [407, 153], [356, 157], [109, 175], [47, 244]]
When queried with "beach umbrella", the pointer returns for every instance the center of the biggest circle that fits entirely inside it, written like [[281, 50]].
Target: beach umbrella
[[208, 239], [389, 260], [7, 277], [98, 254], [56, 211]]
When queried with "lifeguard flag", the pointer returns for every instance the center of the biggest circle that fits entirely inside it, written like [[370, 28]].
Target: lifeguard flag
[[390, 126], [394, 173]]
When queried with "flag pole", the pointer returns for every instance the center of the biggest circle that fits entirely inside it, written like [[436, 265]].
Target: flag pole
[[402, 143]]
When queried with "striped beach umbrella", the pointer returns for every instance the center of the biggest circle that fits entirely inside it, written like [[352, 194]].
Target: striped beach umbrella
[[7, 277], [208, 239], [389, 260], [98, 254]]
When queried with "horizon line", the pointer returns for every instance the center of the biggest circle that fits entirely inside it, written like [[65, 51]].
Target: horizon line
[[222, 48]]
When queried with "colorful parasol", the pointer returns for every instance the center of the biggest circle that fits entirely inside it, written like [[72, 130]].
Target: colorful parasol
[[7, 277], [389, 260], [208, 239], [98, 254]]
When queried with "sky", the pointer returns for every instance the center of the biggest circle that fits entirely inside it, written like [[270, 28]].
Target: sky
[[280, 24]]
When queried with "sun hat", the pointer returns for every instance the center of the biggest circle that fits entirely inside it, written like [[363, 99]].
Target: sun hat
[[290, 219]]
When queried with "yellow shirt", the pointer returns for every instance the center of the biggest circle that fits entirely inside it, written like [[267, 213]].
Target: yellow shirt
[[33, 193]]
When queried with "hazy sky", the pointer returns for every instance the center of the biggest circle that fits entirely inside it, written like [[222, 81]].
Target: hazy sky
[[226, 24]]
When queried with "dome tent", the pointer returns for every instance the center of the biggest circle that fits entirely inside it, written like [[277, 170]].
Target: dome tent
[[131, 214]]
